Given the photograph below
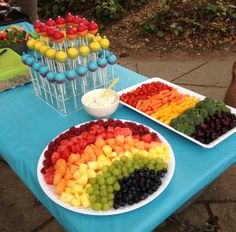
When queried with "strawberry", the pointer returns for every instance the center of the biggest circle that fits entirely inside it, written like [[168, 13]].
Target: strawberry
[[61, 148], [49, 178], [75, 148], [47, 162], [147, 138], [65, 154], [90, 139], [82, 143], [55, 156], [50, 170]]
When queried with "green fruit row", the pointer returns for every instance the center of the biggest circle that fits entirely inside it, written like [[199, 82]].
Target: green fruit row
[[105, 184]]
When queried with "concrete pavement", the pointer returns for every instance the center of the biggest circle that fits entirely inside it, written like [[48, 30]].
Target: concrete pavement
[[207, 75]]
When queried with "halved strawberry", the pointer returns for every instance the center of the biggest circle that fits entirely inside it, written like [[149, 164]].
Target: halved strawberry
[[49, 178], [55, 156], [65, 154], [50, 170], [147, 138]]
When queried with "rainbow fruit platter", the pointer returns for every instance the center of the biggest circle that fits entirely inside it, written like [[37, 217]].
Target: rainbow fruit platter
[[106, 167]]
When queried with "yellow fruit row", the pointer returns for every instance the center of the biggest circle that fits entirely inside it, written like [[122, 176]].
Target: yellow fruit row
[[168, 112]]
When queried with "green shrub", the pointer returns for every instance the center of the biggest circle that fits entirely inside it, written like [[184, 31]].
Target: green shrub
[[97, 9], [177, 17]]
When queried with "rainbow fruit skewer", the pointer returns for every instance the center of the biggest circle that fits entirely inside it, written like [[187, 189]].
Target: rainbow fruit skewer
[[81, 71], [92, 67], [43, 72], [60, 80], [112, 60], [51, 78], [73, 54], [71, 76]]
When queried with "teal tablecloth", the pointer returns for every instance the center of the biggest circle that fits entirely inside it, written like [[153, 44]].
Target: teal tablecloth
[[27, 125], [28, 27]]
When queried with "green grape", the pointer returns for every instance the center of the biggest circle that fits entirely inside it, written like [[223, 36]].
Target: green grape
[[119, 167], [124, 169], [165, 165], [104, 169], [116, 186], [123, 159], [119, 176], [110, 180], [97, 206], [103, 193], [96, 186], [136, 166], [128, 164], [106, 174], [145, 160], [92, 198], [151, 167], [111, 196], [131, 170], [89, 190], [115, 163], [101, 180], [111, 204], [110, 168], [158, 167], [153, 162], [116, 172], [106, 206], [99, 176], [93, 205], [110, 189], [104, 200], [159, 160], [92, 180], [126, 174], [103, 187], [96, 192], [98, 198]]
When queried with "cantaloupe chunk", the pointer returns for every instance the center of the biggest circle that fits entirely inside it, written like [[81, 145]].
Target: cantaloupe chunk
[[73, 158], [68, 174], [140, 145], [73, 168], [60, 187], [129, 140], [98, 151], [120, 139], [59, 163], [111, 142], [57, 178], [92, 157], [100, 142], [119, 149], [86, 157], [126, 147], [88, 149]]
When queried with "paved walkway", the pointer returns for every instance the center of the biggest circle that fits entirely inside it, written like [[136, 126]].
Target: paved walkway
[[21, 212]]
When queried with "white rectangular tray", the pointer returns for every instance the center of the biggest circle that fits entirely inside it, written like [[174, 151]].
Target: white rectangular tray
[[184, 91]]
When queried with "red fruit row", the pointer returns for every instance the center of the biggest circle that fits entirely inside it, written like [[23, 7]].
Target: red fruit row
[[76, 139], [143, 92]]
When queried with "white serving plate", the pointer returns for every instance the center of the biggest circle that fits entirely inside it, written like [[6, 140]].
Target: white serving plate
[[49, 190], [184, 91]]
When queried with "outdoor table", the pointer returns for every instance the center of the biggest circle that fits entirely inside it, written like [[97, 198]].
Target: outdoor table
[[27, 125]]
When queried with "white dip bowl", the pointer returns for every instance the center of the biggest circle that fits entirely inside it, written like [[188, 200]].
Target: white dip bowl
[[98, 106]]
